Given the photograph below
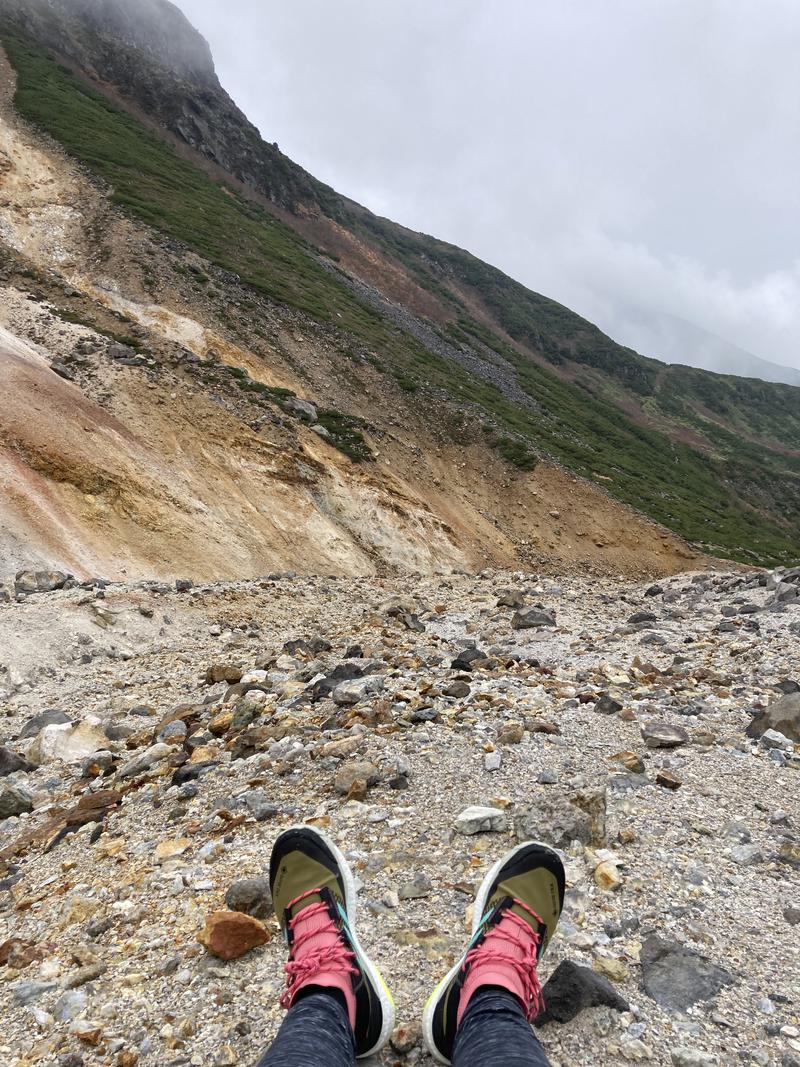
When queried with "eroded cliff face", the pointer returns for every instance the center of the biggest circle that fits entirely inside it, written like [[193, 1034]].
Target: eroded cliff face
[[146, 456]]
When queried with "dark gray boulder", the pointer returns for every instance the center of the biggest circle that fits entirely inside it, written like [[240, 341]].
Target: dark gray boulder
[[607, 705], [677, 977], [14, 801], [40, 581], [250, 895], [532, 619], [48, 717], [782, 715], [571, 989], [10, 762]]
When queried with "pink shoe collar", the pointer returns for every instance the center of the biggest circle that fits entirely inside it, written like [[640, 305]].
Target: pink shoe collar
[[506, 955], [318, 952]]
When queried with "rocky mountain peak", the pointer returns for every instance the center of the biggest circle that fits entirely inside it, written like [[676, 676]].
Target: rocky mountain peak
[[101, 35], [147, 57]]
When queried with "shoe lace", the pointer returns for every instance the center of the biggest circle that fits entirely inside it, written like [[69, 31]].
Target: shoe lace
[[334, 957], [508, 930]]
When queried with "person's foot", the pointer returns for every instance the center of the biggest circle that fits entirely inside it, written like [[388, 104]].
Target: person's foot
[[516, 911], [314, 893]]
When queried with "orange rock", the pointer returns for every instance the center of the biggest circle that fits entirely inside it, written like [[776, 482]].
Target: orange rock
[[223, 672], [511, 733], [229, 934], [87, 1031], [358, 790], [630, 760], [221, 723], [204, 753], [169, 849], [20, 954], [541, 726], [668, 781]]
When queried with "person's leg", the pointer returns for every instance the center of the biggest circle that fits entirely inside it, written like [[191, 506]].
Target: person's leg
[[339, 1006], [494, 1030], [489, 998], [315, 1033]]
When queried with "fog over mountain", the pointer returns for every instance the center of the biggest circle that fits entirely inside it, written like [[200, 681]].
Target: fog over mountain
[[676, 341], [610, 156]]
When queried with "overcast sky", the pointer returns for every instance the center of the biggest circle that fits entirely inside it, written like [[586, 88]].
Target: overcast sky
[[628, 158]]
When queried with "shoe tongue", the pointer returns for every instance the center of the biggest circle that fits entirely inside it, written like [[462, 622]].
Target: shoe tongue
[[517, 909], [301, 905], [319, 923], [316, 931]]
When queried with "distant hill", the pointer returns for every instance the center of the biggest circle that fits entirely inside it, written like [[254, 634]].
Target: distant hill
[[674, 340]]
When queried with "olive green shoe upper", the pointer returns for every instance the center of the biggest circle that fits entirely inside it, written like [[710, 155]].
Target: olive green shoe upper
[[301, 862], [540, 888], [532, 874], [306, 870]]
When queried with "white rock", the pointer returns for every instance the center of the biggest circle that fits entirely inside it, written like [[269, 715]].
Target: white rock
[[355, 689], [62, 741], [492, 761], [746, 854], [253, 677], [689, 1057], [636, 1050], [477, 820], [43, 1019], [256, 698], [775, 739]]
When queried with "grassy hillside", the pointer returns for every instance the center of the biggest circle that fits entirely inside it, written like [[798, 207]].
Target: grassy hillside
[[739, 498], [763, 409]]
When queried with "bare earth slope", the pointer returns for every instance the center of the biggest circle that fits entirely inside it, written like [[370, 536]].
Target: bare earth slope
[[151, 463]]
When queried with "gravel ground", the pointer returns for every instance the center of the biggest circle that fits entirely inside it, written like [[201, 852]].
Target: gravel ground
[[99, 957]]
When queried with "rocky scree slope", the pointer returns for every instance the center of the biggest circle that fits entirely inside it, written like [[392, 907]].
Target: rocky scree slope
[[716, 459], [163, 414], [157, 738]]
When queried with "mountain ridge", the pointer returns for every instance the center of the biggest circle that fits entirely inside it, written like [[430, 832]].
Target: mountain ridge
[[442, 324]]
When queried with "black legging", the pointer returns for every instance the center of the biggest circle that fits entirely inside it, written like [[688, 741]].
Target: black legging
[[317, 1033]]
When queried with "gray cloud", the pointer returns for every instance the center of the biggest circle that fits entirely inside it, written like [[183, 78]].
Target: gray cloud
[[615, 155]]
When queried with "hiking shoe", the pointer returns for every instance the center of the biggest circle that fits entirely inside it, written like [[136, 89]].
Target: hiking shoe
[[314, 893], [516, 911]]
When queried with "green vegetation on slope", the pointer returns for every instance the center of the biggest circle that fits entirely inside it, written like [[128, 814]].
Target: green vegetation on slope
[[765, 410], [149, 178], [530, 318], [698, 496]]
